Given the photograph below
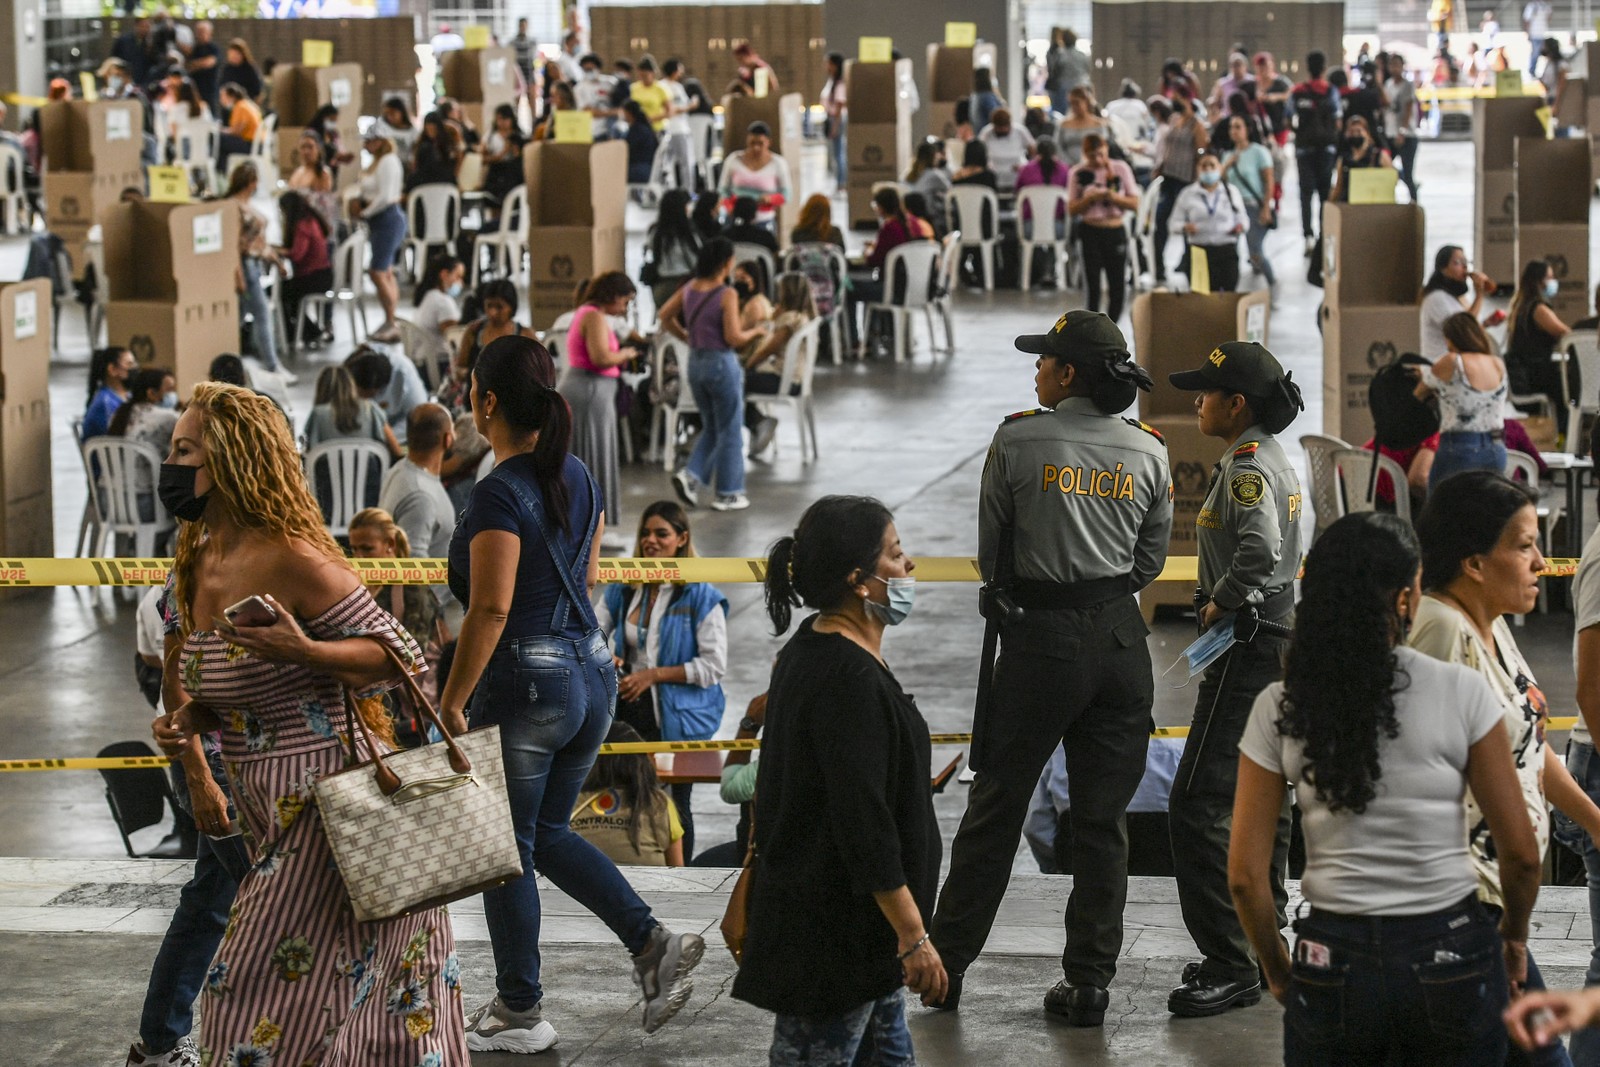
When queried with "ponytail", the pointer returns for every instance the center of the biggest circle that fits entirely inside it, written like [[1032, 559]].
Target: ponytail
[[779, 584], [522, 376], [837, 544]]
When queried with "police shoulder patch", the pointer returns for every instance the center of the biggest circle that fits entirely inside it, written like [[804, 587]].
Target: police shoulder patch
[[1146, 427], [1247, 449], [1247, 488], [1021, 415]]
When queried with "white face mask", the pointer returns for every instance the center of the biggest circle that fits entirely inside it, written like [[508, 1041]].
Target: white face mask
[[114, 83]]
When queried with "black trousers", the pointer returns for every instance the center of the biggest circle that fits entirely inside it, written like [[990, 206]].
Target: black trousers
[[1201, 808], [1081, 678], [1166, 200], [1223, 263], [1315, 166], [1105, 251]]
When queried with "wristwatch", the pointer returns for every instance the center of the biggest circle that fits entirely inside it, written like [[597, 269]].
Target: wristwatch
[[747, 725]]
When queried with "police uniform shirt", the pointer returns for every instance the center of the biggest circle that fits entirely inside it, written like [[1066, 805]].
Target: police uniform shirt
[[1249, 526], [1089, 496]]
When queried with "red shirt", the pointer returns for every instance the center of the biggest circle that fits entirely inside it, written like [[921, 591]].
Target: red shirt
[[1402, 456], [893, 234], [308, 251]]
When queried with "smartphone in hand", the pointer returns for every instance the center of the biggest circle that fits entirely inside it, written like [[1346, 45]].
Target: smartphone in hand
[[251, 611]]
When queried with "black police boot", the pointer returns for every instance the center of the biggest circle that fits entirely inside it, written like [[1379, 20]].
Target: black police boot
[[952, 993], [1203, 994], [1082, 1005]]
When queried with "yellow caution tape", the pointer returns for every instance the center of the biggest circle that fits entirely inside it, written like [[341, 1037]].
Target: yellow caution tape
[[24, 101]]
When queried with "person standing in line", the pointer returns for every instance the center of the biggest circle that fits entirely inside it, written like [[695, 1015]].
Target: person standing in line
[[847, 847], [1074, 518], [705, 314], [1248, 541], [1066, 68], [1398, 961], [1272, 90], [836, 117], [1101, 192], [527, 54], [1445, 294], [524, 552], [1536, 24], [589, 381], [1177, 152], [1248, 170], [1211, 216], [1317, 109], [1400, 120]]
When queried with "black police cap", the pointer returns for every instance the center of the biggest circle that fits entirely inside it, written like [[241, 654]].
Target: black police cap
[[1078, 335]]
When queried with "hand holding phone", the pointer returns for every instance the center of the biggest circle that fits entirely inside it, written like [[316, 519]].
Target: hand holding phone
[[251, 611]]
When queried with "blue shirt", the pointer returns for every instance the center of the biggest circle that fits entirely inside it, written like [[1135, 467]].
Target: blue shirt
[[404, 392], [97, 419], [495, 506]]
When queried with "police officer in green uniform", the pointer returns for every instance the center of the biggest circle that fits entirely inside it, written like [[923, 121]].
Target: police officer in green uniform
[[1083, 500], [1249, 549]]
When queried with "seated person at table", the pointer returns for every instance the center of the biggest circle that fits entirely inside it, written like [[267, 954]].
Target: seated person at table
[[815, 224], [389, 379], [1048, 829], [338, 411], [917, 207], [438, 308], [763, 366], [754, 307], [624, 812], [498, 298], [1416, 462], [1009, 147], [929, 177], [975, 168], [742, 228], [895, 228]]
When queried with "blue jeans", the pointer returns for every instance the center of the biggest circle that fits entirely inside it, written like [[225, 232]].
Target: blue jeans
[[553, 699], [873, 1035], [718, 387], [254, 300], [1586, 770], [1554, 1054], [838, 150], [1421, 990], [1460, 451], [1254, 238]]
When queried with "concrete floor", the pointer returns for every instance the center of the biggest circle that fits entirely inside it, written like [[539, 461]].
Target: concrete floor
[[914, 435]]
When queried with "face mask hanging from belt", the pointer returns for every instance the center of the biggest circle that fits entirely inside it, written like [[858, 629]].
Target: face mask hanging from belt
[[1206, 649]]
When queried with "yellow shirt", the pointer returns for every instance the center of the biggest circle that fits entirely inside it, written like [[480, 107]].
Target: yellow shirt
[[601, 818], [247, 117], [654, 100]]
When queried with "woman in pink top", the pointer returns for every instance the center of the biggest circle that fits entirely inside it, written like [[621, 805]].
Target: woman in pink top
[[1045, 168], [1102, 190], [589, 381]]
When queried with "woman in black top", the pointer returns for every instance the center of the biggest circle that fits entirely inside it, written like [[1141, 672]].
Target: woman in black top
[[847, 848], [1534, 331]]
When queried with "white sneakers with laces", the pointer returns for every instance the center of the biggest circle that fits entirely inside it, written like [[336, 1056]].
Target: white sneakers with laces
[[496, 1028], [184, 1054]]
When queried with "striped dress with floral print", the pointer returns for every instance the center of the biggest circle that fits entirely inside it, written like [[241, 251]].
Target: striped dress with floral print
[[297, 981]]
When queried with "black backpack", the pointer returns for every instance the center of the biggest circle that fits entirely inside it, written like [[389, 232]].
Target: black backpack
[[1399, 419], [1316, 117]]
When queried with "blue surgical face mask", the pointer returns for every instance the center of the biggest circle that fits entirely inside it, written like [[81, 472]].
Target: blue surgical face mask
[[455, 289], [169, 400], [902, 595], [1206, 650], [1208, 178], [1551, 288]]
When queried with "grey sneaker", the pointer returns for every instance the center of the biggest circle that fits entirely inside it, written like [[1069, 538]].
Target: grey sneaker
[[684, 483], [761, 440], [496, 1028], [184, 1054], [730, 502], [661, 972]]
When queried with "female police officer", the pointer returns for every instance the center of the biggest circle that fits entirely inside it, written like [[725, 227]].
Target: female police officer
[[1074, 518], [1249, 549]]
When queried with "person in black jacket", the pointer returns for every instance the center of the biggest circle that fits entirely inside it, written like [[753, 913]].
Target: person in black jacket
[[847, 848]]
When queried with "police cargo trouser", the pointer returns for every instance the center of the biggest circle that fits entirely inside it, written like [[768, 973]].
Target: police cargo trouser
[[1079, 677], [1201, 808]]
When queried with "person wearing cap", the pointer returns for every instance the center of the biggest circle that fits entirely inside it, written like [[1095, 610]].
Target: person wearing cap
[[1249, 548], [1074, 517]]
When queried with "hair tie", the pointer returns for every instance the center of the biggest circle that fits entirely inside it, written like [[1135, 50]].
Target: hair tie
[[1125, 370]]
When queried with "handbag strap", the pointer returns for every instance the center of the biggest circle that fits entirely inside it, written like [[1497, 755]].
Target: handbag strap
[[389, 782], [569, 584]]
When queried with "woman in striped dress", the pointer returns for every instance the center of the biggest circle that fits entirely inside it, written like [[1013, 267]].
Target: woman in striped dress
[[296, 980]]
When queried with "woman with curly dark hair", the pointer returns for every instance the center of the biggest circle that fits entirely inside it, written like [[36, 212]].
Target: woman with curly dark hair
[[1381, 743]]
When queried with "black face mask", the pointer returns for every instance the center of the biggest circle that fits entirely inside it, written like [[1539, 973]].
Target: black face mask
[[175, 489], [745, 291]]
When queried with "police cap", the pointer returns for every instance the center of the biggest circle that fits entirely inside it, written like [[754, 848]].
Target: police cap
[[1078, 335], [1238, 366]]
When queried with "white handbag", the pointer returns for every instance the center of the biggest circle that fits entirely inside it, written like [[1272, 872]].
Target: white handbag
[[421, 827]]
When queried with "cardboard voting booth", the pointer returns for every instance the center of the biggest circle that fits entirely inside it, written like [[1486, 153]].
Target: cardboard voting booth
[[878, 142], [1553, 185], [785, 117], [27, 522], [92, 151], [1497, 123], [481, 79], [297, 94], [576, 199], [950, 70], [171, 268], [1369, 310], [1174, 332]]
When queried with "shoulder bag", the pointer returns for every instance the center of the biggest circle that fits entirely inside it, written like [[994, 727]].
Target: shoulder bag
[[419, 828], [736, 918]]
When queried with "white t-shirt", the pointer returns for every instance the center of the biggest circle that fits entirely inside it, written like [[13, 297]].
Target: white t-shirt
[[1445, 634], [678, 122], [1586, 609], [1407, 853], [1537, 16], [1007, 153], [437, 308], [1437, 306]]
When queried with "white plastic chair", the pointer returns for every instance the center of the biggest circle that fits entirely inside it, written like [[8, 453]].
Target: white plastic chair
[[421, 351], [89, 525], [198, 148], [1523, 468], [702, 130], [264, 144], [944, 292], [975, 213], [837, 321], [348, 463], [744, 250], [1038, 204], [349, 265], [1323, 477], [509, 244], [664, 420], [648, 193], [1354, 466], [908, 278], [433, 217], [794, 388], [1585, 349], [1145, 222], [117, 469], [14, 214]]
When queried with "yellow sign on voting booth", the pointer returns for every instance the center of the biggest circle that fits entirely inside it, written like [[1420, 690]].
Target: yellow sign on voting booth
[[86, 82], [960, 34], [1372, 185], [476, 36], [316, 53], [1508, 83], [168, 185], [763, 83], [574, 127], [876, 50]]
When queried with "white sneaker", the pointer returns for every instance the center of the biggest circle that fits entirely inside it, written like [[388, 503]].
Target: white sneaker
[[496, 1028], [684, 483], [731, 502], [184, 1054], [661, 972]]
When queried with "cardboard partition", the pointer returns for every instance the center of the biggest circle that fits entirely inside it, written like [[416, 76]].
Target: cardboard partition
[[1191, 455], [1356, 341], [485, 76], [81, 136], [1572, 108], [563, 256], [785, 116], [1354, 272], [576, 185], [1566, 247], [1497, 122], [949, 73], [171, 252], [1494, 237], [74, 201], [184, 336], [1553, 182], [1175, 332], [297, 93], [873, 90], [940, 119], [27, 521]]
